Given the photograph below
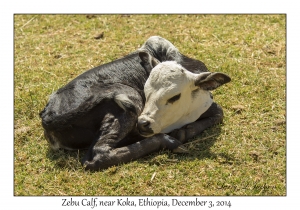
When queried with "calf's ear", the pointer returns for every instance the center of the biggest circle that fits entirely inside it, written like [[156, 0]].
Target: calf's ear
[[211, 81], [148, 59]]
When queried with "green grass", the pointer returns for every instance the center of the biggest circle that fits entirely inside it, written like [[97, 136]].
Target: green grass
[[246, 157]]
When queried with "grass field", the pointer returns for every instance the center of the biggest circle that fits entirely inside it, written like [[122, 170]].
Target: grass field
[[246, 155]]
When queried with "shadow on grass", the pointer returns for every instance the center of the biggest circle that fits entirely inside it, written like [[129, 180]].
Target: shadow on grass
[[66, 159], [198, 149]]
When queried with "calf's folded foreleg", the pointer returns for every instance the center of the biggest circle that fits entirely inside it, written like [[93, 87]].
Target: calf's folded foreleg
[[212, 116]]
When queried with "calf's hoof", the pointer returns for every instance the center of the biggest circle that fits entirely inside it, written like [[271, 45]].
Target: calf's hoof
[[94, 165], [180, 149]]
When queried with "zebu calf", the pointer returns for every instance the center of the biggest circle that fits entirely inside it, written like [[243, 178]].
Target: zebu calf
[[99, 109]]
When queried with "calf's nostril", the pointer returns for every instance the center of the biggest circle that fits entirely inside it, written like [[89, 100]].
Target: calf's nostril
[[143, 123], [144, 128]]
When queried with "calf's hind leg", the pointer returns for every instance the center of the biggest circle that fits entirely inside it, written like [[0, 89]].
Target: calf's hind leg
[[212, 116]]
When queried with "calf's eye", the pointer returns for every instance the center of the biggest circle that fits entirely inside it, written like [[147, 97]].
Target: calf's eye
[[174, 98]]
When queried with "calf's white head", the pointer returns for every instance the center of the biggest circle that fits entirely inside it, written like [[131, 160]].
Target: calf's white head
[[176, 97]]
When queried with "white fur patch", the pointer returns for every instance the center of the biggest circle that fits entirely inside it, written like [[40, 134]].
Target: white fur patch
[[122, 100], [168, 138]]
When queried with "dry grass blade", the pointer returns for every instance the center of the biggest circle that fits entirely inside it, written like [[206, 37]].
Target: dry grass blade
[[26, 23], [153, 176], [198, 140]]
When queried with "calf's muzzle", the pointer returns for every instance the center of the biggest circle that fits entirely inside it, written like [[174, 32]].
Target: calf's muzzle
[[144, 127]]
